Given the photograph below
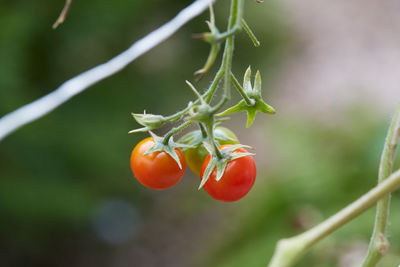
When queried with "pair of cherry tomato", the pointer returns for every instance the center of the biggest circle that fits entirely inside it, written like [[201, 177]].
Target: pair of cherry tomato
[[158, 170]]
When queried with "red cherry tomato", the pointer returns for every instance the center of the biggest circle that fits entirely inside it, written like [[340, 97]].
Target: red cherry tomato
[[237, 180], [157, 170]]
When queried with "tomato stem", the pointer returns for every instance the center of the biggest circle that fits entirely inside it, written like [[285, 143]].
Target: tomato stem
[[248, 101], [203, 130], [175, 130], [210, 133], [379, 243], [288, 250]]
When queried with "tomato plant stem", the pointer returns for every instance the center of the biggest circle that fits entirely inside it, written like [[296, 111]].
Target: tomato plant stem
[[175, 130], [203, 130], [210, 133], [290, 249], [379, 243], [249, 101], [234, 22], [250, 33]]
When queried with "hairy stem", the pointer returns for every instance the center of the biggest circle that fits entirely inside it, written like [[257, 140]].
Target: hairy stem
[[175, 130], [214, 85], [379, 243], [289, 250], [210, 133], [249, 102], [225, 69], [203, 130], [234, 21], [250, 33]]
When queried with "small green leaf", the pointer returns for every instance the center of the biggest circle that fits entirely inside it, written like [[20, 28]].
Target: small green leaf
[[207, 172]]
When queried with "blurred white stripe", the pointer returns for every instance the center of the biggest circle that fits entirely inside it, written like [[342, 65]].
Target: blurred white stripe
[[34, 110]]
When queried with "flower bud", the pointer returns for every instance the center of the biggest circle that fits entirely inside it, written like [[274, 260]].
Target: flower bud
[[149, 121]]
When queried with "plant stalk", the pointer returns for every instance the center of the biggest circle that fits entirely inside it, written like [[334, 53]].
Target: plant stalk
[[249, 102], [234, 21], [379, 244], [290, 249]]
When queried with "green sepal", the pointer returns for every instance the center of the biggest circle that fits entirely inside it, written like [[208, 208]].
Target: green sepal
[[221, 135], [191, 140], [254, 94], [149, 121], [195, 138], [169, 148], [199, 112], [220, 163]]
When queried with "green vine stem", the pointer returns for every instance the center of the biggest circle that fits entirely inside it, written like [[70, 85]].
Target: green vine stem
[[249, 102], [234, 25], [250, 33], [210, 133], [175, 130], [290, 249], [234, 22], [379, 243]]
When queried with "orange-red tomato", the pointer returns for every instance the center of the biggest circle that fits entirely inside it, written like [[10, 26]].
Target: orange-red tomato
[[157, 170], [238, 178]]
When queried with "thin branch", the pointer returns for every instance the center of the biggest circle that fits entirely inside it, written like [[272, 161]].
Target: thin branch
[[252, 36], [34, 110], [379, 243], [63, 14], [289, 250]]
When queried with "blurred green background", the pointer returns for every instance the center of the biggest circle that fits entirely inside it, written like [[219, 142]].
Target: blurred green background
[[67, 194]]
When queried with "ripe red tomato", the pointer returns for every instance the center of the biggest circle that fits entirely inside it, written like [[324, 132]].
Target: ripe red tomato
[[237, 180], [157, 170]]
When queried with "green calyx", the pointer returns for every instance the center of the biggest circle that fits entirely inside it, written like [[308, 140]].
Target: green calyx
[[252, 101], [168, 147], [195, 156], [149, 121], [222, 136], [201, 112], [220, 163]]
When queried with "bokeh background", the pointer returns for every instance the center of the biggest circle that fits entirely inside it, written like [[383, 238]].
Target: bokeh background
[[68, 197]]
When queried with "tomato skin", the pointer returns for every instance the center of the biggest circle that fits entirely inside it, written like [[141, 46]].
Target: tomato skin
[[157, 170], [195, 156], [237, 180]]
